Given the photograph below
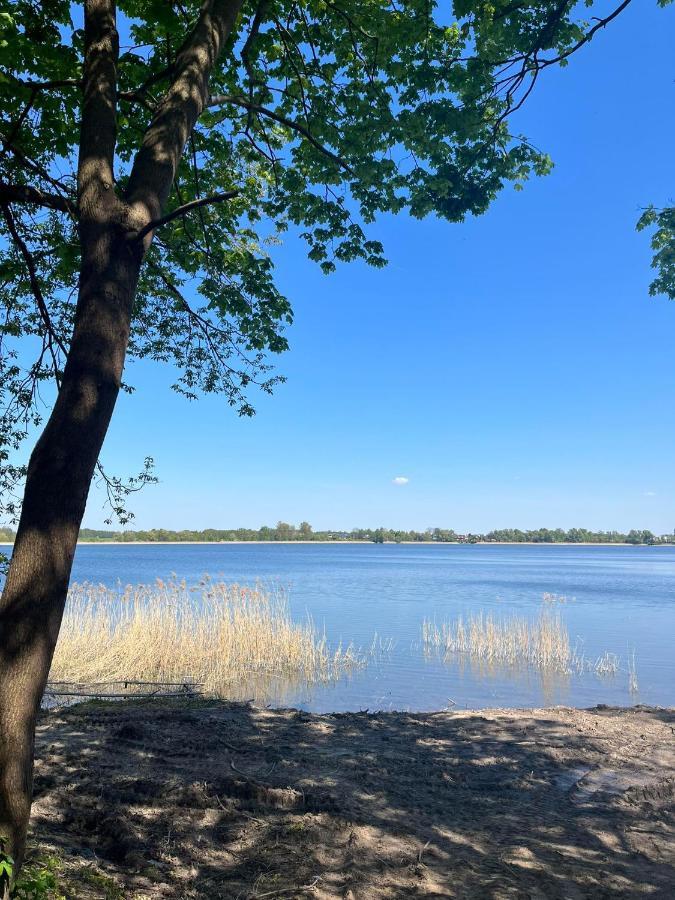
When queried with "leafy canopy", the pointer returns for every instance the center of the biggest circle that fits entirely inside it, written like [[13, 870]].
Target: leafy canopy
[[323, 114], [663, 245]]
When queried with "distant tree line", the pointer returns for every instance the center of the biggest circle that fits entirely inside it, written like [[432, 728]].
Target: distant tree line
[[576, 536], [283, 531]]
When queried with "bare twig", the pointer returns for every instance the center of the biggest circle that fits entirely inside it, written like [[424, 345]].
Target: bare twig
[[284, 891]]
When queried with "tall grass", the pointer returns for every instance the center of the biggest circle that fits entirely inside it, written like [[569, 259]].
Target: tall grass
[[542, 643], [222, 635]]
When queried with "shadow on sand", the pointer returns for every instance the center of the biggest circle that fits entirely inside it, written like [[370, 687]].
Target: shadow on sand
[[210, 799]]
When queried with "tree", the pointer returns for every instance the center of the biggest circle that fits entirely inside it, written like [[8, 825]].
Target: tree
[[140, 186], [640, 537], [663, 245], [284, 532]]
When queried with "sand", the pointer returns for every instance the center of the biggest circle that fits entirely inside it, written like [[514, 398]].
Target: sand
[[195, 799]]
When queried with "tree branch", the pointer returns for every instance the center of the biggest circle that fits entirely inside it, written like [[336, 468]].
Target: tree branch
[[255, 28], [221, 99], [29, 164], [589, 34], [52, 336], [205, 328], [48, 85], [182, 210], [532, 65], [157, 160], [137, 97], [21, 193]]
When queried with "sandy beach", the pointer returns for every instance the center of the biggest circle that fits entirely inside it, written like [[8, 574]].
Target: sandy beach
[[197, 799]]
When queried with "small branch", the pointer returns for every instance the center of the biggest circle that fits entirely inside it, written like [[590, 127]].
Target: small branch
[[532, 65], [30, 164], [52, 337], [21, 193], [205, 328], [353, 26], [181, 211], [50, 85], [19, 122], [137, 97], [221, 99], [255, 28], [601, 23]]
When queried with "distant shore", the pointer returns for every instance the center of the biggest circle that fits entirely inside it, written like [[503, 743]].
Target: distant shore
[[347, 541], [406, 543]]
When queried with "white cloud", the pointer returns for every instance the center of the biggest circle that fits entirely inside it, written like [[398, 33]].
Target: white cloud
[[400, 479], [650, 493]]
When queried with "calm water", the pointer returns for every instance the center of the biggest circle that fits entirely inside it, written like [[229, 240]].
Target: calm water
[[619, 599]]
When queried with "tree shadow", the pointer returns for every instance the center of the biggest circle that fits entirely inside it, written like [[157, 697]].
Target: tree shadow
[[211, 799]]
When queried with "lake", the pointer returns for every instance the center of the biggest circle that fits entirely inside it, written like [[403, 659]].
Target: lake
[[617, 599]]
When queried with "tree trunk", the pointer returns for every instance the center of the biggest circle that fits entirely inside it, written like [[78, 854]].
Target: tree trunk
[[59, 475], [62, 465]]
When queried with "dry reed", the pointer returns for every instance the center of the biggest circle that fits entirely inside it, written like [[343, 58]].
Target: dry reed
[[542, 643], [217, 634], [633, 685], [607, 664]]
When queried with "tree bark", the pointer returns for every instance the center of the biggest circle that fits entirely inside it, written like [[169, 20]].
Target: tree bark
[[59, 475], [62, 464]]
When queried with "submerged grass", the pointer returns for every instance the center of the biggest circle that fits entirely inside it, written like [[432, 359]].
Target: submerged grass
[[633, 685], [542, 643], [217, 634], [607, 664]]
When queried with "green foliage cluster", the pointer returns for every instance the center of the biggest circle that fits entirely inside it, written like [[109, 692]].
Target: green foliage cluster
[[6, 866], [282, 531], [38, 880], [662, 221]]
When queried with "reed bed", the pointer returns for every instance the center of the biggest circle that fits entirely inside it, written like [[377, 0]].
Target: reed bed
[[219, 635], [542, 643]]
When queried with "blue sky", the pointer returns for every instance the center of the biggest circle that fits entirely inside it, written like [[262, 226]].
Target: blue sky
[[512, 368]]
